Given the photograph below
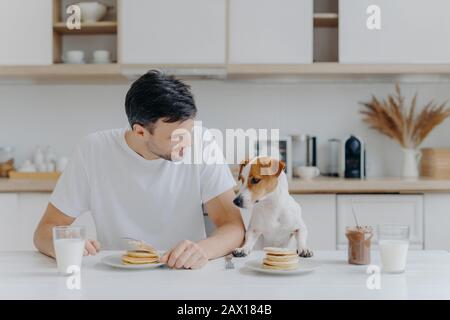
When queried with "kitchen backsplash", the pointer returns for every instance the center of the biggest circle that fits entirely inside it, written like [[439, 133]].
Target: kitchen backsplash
[[59, 115]]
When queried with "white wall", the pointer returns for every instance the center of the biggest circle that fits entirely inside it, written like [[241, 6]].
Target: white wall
[[59, 115]]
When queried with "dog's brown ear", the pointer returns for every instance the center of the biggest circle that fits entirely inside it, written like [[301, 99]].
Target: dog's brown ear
[[241, 166], [271, 167], [281, 166], [264, 162], [244, 162]]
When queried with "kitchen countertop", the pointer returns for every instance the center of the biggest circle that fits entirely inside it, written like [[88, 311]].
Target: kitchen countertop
[[30, 275], [322, 185], [18, 185], [369, 185]]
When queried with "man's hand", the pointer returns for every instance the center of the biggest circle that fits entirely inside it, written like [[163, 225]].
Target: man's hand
[[186, 254], [91, 248]]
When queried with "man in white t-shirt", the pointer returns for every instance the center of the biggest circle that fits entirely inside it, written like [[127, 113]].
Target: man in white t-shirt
[[129, 181]]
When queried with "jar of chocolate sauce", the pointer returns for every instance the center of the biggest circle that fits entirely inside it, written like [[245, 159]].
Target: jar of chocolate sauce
[[359, 241]]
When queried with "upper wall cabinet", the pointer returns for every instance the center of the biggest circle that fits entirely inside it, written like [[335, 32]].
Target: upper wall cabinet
[[271, 31], [173, 31], [26, 32], [400, 31]]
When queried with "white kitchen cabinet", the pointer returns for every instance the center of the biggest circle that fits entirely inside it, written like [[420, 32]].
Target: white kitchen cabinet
[[20, 214], [319, 214], [437, 221], [270, 31], [9, 220], [173, 32], [373, 210], [31, 208], [410, 31], [26, 32]]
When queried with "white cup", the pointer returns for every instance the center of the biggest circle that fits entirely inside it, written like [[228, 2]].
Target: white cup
[[28, 166], [101, 56], [74, 56], [307, 173]]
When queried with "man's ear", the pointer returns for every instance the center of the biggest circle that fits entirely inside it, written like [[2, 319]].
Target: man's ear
[[138, 129], [241, 167]]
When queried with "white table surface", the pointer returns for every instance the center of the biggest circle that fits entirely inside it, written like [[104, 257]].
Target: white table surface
[[30, 275]]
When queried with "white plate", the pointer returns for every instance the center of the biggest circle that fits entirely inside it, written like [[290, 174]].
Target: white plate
[[305, 266], [115, 261]]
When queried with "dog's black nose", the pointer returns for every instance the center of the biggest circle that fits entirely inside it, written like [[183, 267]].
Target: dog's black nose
[[238, 201]]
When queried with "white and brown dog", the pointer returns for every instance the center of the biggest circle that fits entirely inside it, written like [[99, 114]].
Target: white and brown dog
[[275, 215]]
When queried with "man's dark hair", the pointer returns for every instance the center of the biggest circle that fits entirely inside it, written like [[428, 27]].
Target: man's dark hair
[[155, 96]]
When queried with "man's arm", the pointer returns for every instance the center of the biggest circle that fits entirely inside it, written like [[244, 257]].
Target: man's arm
[[230, 230], [228, 235], [43, 236]]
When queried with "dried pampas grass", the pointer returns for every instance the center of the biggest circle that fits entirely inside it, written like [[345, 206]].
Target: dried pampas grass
[[409, 129]]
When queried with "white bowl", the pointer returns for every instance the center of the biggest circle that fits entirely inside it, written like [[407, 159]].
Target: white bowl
[[306, 173], [92, 11]]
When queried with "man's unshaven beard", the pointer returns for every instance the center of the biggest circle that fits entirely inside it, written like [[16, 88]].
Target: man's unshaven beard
[[178, 154], [165, 156], [158, 154], [168, 156]]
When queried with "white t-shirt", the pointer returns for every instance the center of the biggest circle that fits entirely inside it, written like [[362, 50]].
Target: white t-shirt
[[158, 201]]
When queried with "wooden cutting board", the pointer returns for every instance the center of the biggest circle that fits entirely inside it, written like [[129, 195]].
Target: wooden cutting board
[[17, 175], [435, 163]]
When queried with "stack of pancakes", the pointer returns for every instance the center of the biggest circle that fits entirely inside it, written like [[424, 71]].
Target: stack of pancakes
[[141, 256], [280, 259]]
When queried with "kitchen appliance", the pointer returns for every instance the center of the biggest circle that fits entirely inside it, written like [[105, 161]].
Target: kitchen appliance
[[311, 151], [334, 152], [304, 150], [353, 161]]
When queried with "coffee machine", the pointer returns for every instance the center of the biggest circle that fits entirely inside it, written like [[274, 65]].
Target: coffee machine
[[353, 158], [304, 150]]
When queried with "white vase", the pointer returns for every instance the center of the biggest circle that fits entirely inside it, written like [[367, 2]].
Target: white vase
[[411, 159]]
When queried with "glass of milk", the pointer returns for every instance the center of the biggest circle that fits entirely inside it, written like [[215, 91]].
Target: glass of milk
[[68, 242], [393, 242]]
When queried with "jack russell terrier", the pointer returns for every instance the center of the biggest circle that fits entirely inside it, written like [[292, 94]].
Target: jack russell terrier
[[275, 215]]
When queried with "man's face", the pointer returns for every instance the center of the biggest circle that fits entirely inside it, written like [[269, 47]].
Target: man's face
[[169, 140]]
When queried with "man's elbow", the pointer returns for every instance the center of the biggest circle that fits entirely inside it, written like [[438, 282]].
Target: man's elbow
[[37, 237], [240, 231], [39, 240]]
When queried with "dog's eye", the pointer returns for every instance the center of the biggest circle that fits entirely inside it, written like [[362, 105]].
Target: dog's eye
[[255, 180]]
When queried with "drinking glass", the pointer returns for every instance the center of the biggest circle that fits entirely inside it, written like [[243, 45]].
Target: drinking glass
[[69, 242], [393, 241], [359, 242]]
